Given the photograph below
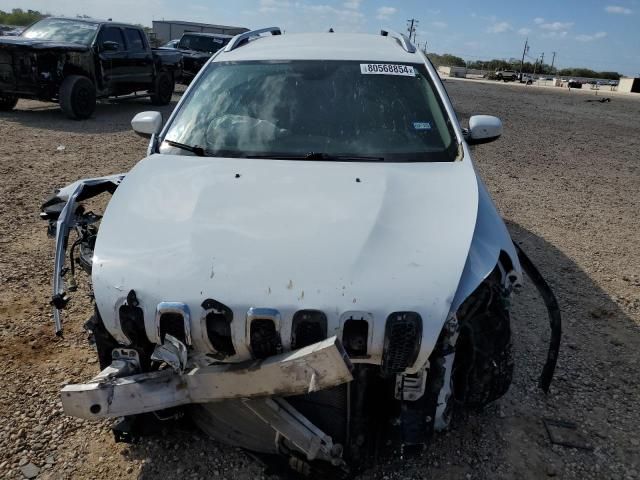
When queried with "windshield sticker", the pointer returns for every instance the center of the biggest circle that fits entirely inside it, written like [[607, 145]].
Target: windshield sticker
[[387, 69], [422, 125]]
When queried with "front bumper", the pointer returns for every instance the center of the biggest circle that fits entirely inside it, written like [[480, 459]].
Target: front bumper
[[316, 367]]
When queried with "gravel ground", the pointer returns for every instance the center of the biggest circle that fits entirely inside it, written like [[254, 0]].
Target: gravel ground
[[566, 177]]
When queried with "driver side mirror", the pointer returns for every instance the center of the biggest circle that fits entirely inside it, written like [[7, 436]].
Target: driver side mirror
[[110, 46], [147, 124], [483, 129]]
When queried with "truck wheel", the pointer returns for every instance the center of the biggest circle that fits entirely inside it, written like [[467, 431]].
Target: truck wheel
[[7, 102], [163, 89], [77, 97]]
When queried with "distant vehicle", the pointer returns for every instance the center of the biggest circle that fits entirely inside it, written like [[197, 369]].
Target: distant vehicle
[[507, 75], [525, 78], [171, 43], [196, 49], [571, 83], [613, 83], [75, 61]]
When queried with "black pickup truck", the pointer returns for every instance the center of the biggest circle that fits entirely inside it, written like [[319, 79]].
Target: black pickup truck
[[196, 49], [76, 61]]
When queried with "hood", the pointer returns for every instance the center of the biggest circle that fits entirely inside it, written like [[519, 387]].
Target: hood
[[38, 44], [332, 236]]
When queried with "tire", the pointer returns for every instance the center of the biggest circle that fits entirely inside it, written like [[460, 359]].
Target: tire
[[483, 366], [7, 102], [77, 97], [499, 78], [163, 89]]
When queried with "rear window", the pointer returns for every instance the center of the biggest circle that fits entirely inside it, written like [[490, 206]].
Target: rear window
[[293, 108], [202, 43]]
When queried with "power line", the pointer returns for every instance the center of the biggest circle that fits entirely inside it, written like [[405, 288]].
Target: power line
[[412, 26]]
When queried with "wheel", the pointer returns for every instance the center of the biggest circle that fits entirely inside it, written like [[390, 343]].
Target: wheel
[[7, 102], [499, 77], [483, 366], [529, 82], [163, 89], [77, 97]]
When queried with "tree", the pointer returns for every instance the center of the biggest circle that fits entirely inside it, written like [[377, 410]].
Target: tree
[[446, 60], [19, 17]]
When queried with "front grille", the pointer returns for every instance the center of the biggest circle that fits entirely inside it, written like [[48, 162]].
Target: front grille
[[355, 336], [265, 340], [307, 328], [172, 324], [132, 324], [218, 325], [403, 334]]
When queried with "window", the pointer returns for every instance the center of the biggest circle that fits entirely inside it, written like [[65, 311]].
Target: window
[[202, 43], [291, 108], [135, 43], [112, 34]]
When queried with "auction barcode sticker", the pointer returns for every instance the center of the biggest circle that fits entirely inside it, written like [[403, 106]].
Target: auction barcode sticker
[[387, 69]]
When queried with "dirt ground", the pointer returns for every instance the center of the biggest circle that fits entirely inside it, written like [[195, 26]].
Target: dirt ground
[[566, 177]]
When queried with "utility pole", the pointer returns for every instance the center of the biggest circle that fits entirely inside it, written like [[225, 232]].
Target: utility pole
[[524, 52], [553, 60], [542, 63], [412, 27]]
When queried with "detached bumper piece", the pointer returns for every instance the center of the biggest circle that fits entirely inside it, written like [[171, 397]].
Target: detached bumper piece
[[316, 367]]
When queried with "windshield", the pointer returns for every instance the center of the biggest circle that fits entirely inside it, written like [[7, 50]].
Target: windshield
[[62, 30], [314, 110], [201, 43]]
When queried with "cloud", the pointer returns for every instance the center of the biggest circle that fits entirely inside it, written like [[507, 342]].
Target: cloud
[[562, 34], [556, 26], [538, 20], [590, 38], [440, 25], [524, 31], [352, 4], [273, 5], [500, 27], [385, 12], [618, 10]]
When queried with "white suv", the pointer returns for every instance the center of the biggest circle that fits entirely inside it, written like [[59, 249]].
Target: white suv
[[307, 254]]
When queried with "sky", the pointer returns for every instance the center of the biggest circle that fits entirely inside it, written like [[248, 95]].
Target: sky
[[603, 35]]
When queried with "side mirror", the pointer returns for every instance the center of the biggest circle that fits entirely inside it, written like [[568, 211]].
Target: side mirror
[[147, 124], [483, 129], [110, 46]]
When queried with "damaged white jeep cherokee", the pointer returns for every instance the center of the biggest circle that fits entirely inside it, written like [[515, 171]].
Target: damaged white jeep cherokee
[[306, 261]]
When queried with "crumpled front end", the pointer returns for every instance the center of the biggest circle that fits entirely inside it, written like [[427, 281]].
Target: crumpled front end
[[305, 335], [35, 69]]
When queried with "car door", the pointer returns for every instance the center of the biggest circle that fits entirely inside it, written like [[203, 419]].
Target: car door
[[139, 56], [112, 56]]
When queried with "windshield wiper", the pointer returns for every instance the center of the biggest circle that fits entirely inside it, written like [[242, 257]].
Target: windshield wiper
[[199, 151], [319, 156]]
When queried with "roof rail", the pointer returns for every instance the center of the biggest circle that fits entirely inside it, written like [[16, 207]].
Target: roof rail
[[243, 38], [402, 40]]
